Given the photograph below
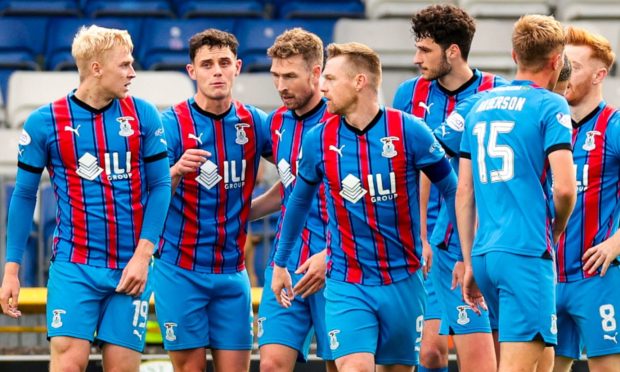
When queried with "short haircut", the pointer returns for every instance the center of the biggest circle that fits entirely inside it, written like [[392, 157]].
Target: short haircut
[[298, 41], [598, 44], [360, 56], [446, 24], [566, 71], [93, 41], [534, 38], [212, 38]]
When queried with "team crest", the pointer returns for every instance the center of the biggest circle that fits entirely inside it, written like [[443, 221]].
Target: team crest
[[170, 336], [590, 143], [56, 319], [333, 340], [389, 150], [463, 318], [261, 329], [242, 137], [126, 130]]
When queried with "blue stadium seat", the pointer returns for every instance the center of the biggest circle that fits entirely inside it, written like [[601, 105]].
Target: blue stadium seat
[[127, 8], [44, 8], [165, 45], [319, 9], [218, 8], [5, 73], [29, 266], [256, 36], [61, 32], [18, 50]]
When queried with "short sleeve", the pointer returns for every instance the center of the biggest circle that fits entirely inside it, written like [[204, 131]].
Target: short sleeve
[[450, 132], [154, 148], [612, 137], [402, 97], [171, 133], [556, 123]]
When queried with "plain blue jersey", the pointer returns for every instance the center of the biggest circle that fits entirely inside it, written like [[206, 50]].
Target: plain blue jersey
[[508, 135], [596, 154], [98, 161], [371, 183], [429, 101], [288, 133], [206, 226]]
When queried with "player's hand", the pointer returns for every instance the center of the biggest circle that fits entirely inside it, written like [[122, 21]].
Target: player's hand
[[601, 255], [427, 258], [471, 293], [9, 293], [190, 161], [314, 275], [458, 273], [282, 286], [133, 278]]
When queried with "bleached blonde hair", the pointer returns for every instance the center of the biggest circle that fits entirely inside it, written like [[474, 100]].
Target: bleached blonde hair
[[92, 42]]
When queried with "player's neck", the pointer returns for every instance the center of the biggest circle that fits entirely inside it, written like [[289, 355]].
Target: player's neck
[[460, 74], [312, 103], [362, 113], [587, 104], [92, 96], [541, 78], [213, 106]]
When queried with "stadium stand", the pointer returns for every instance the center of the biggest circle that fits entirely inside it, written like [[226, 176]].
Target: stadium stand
[[127, 8], [248, 89], [164, 45], [62, 30], [491, 48], [217, 8], [611, 91], [397, 8], [391, 38], [319, 9], [255, 36], [40, 7], [505, 8], [588, 9], [163, 89]]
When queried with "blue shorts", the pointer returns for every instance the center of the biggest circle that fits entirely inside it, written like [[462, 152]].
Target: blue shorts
[[433, 307], [520, 291], [456, 317], [197, 310], [588, 316], [383, 320], [293, 327], [82, 301]]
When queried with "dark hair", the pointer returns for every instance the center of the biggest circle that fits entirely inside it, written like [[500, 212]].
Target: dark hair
[[212, 38], [566, 71], [446, 24]]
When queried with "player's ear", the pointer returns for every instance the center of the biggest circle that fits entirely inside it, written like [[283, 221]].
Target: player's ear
[[599, 75], [191, 70]]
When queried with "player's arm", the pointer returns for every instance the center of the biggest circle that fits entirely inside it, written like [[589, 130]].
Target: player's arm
[[20, 214], [427, 252], [564, 188], [297, 210], [465, 205], [190, 162], [267, 203], [443, 177]]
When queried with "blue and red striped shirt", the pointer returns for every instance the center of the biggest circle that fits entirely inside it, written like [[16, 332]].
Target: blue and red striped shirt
[[97, 161], [431, 102], [596, 155], [206, 226], [288, 132], [371, 183]]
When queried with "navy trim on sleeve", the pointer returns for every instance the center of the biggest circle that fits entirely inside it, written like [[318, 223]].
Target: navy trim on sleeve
[[30, 168], [465, 155], [307, 180], [437, 171], [559, 146], [161, 155], [446, 148]]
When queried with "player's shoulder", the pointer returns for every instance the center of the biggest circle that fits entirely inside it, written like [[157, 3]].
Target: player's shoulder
[[141, 104], [242, 109], [277, 115]]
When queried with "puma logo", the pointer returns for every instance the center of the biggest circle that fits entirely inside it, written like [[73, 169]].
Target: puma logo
[[74, 130], [425, 107], [279, 134], [336, 149], [193, 136]]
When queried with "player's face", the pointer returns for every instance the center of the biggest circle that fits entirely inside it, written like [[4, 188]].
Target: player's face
[[338, 86], [214, 70], [295, 81], [431, 59], [583, 74], [560, 87], [116, 68]]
